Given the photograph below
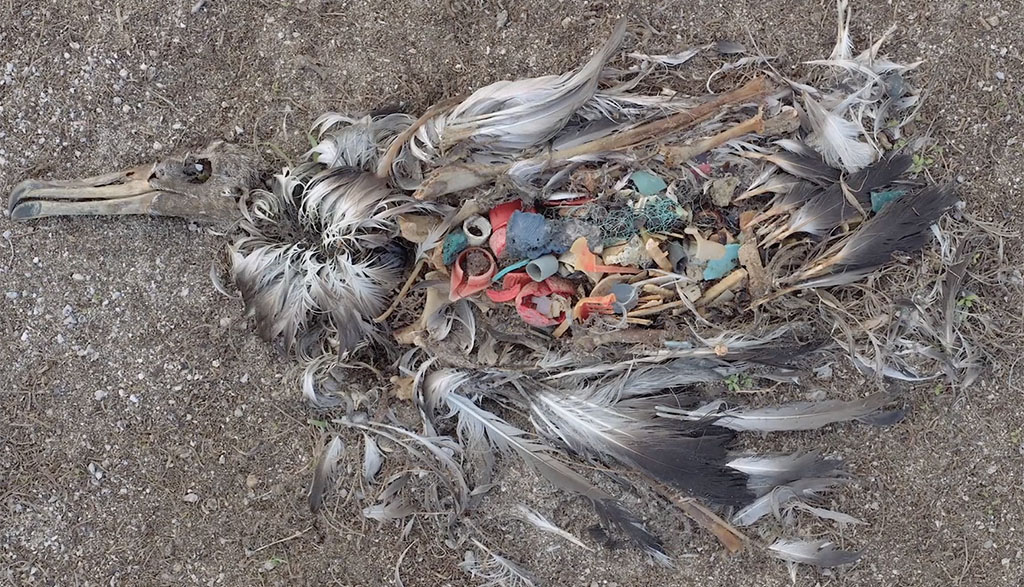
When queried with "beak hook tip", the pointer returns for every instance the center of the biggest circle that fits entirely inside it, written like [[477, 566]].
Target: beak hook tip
[[24, 211]]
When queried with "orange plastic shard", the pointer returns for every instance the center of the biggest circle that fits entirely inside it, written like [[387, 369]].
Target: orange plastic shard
[[586, 261], [593, 305]]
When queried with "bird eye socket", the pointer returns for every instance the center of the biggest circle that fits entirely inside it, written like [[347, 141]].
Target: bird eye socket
[[197, 170]]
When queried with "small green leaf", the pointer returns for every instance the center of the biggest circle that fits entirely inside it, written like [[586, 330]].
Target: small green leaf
[[967, 302]]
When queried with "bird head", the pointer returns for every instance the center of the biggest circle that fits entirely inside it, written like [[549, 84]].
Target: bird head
[[203, 185]]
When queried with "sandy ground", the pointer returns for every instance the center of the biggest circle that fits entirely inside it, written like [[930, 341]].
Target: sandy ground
[[148, 438]]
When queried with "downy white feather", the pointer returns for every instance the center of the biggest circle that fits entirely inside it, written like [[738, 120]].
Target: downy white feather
[[837, 139]]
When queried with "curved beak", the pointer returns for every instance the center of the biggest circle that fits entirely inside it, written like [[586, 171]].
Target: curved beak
[[132, 191], [122, 192]]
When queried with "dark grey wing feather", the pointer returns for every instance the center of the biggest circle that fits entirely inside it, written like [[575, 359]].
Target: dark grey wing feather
[[901, 227]]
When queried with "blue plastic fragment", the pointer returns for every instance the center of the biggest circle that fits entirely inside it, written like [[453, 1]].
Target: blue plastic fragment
[[717, 268], [626, 297], [880, 199], [510, 269], [454, 243], [647, 183], [530, 236]]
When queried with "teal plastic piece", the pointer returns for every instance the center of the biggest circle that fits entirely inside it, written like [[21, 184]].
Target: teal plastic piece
[[717, 268], [880, 199], [455, 243], [647, 183], [510, 269]]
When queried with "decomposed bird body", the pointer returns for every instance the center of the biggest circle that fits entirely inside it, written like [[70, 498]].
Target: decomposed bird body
[[325, 251]]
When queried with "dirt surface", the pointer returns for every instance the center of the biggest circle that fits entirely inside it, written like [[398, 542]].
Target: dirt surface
[[147, 437]]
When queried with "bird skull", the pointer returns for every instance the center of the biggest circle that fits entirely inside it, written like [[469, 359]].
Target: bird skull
[[202, 186]]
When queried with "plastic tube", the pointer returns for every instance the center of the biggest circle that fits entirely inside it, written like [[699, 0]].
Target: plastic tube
[[477, 229], [542, 268]]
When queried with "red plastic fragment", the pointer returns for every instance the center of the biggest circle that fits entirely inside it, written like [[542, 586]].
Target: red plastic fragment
[[500, 214], [510, 286], [527, 308], [519, 287]]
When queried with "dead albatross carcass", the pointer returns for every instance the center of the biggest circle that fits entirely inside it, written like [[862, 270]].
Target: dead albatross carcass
[[573, 267]]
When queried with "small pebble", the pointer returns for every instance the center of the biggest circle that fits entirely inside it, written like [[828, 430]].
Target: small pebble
[[77, 277], [190, 498], [118, 100], [252, 481], [100, 395], [1000, 76], [11, 295]]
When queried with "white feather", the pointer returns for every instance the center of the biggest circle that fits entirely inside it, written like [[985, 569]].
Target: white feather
[[837, 139], [820, 553], [545, 525]]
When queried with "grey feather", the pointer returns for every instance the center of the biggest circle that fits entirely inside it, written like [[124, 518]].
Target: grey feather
[[477, 422], [326, 464], [819, 553], [764, 473], [373, 458], [900, 227], [831, 207], [779, 498], [518, 115], [785, 417], [495, 570]]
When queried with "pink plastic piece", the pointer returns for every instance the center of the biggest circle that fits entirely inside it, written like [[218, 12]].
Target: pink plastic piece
[[462, 284], [497, 240]]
